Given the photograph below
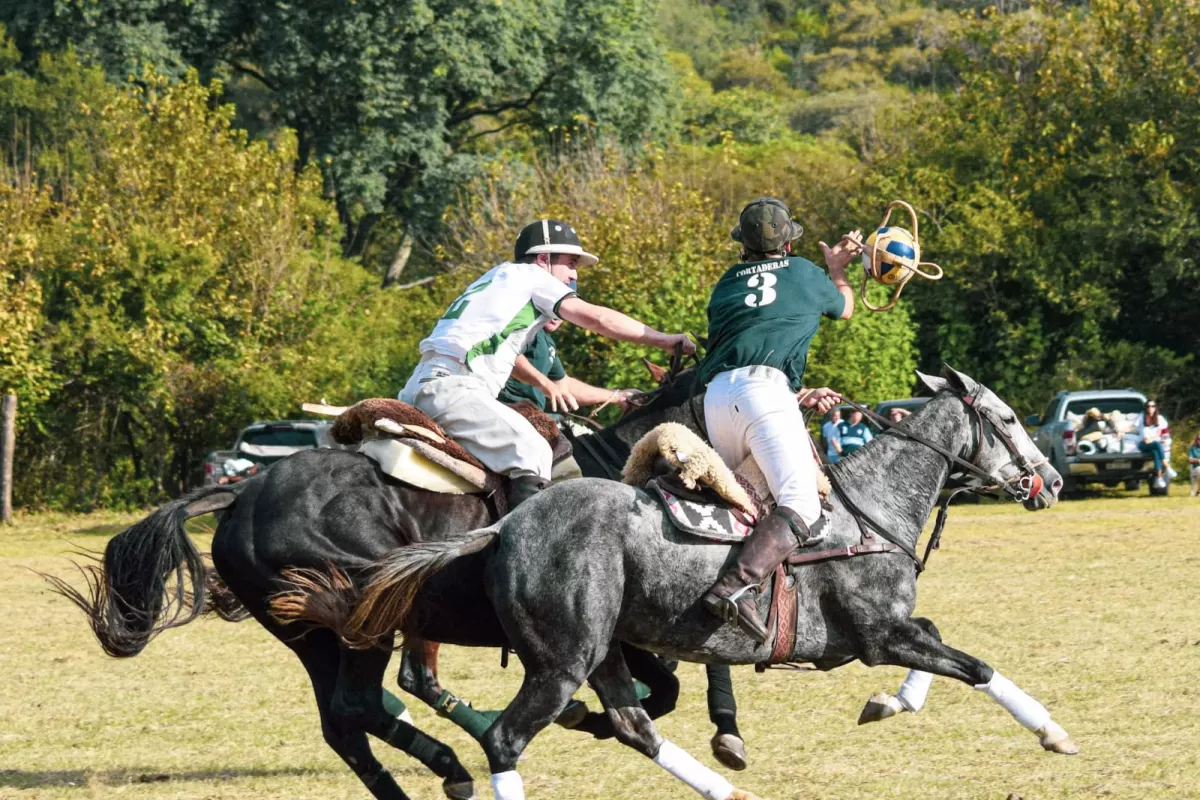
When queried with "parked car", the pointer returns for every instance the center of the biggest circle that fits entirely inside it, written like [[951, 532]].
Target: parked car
[[1110, 459], [261, 444]]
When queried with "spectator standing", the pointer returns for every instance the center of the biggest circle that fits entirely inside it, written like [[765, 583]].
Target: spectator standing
[[832, 436], [897, 414], [1194, 463], [854, 433]]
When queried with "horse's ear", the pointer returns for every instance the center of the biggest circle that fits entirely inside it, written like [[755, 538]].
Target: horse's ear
[[933, 383], [657, 373], [962, 383]]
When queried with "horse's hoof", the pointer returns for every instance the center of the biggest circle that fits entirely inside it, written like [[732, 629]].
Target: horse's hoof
[[460, 791], [880, 707], [573, 714], [730, 750], [738, 794], [1057, 740]]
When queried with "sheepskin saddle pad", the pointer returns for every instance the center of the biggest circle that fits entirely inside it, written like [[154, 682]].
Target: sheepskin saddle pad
[[408, 445], [702, 495]]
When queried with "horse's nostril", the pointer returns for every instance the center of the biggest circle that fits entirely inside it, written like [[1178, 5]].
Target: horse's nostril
[[1056, 486]]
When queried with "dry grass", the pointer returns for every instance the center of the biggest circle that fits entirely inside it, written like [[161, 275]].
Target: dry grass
[[1091, 607]]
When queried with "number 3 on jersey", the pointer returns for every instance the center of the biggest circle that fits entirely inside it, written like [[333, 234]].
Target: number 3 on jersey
[[763, 295]]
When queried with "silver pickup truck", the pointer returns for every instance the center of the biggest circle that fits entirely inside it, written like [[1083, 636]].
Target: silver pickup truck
[[1096, 454], [261, 444]]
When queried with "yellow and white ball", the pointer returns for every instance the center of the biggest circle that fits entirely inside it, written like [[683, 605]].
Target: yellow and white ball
[[895, 252]]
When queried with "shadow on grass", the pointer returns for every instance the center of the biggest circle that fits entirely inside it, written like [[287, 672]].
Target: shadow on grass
[[36, 779], [203, 525], [111, 529]]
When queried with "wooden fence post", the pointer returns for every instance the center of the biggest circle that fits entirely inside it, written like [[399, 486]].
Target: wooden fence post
[[8, 442]]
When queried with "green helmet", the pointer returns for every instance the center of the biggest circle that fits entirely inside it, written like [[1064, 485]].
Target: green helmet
[[766, 225]]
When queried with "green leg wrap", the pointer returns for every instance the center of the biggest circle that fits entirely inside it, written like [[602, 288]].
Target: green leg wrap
[[461, 714], [643, 691], [392, 704]]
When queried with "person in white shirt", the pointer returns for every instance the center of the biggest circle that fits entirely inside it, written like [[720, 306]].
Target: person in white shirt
[[470, 354], [1151, 429]]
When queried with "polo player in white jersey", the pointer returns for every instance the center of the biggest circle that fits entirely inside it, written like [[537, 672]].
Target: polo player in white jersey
[[470, 354]]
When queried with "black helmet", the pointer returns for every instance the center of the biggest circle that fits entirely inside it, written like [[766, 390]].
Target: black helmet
[[551, 236], [765, 225]]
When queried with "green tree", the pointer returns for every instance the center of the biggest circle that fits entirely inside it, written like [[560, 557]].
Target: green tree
[[398, 101]]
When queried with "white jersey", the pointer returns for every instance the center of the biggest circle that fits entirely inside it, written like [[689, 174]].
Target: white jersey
[[491, 323]]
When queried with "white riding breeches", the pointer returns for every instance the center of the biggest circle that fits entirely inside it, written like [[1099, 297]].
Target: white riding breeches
[[753, 410], [463, 405]]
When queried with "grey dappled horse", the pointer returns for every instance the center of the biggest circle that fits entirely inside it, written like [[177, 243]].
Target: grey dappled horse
[[588, 564]]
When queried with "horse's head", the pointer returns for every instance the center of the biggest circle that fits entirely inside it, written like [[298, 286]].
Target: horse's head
[[1003, 448]]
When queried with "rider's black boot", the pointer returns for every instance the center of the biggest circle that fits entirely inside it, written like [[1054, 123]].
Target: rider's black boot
[[523, 487], [734, 596]]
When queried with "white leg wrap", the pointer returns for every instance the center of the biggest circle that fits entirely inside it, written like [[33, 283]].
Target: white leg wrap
[[687, 769], [914, 690], [405, 717], [1027, 711], [508, 786]]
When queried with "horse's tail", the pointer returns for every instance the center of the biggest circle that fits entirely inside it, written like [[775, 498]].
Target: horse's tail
[[365, 618], [220, 599], [130, 596]]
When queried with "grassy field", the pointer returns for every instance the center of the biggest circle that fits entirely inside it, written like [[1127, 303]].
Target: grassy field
[[1091, 607]]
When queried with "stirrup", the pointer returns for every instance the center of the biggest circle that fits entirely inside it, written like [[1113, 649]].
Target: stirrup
[[727, 608]]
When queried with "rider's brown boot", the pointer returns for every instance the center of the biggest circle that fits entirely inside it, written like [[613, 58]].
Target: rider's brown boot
[[734, 596]]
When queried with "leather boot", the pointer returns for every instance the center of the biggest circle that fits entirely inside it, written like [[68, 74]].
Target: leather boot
[[734, 596], [522, 487]]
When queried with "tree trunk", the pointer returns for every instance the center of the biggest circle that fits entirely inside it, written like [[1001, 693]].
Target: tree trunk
[[8, 442], [396, 269]]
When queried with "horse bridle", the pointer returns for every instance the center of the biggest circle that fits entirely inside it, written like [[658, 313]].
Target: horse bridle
[[1026, 484]]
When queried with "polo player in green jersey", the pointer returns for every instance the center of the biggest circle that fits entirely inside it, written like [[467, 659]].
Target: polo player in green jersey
[[538, 377], [762, 316], [470, 354]]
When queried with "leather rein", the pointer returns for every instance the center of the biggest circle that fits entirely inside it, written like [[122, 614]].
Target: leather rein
[[1023, 486]]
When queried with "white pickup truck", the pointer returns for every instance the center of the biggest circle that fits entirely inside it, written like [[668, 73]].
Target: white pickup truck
[[261, 444]]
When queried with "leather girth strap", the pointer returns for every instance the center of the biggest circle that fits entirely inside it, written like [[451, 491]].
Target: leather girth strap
[[782, 617], [784, 600]]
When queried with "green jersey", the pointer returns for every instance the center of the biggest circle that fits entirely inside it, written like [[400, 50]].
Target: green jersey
[[766, 313], [543, 355]]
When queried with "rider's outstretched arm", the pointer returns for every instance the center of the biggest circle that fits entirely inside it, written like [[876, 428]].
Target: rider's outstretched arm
[[589, 395], [615, 325]]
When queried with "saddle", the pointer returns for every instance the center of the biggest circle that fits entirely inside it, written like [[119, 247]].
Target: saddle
[[701, 493], [409, 446], [706, 499]]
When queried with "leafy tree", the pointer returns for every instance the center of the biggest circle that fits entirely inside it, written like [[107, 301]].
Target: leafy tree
[[1062, 192], [396, 100]]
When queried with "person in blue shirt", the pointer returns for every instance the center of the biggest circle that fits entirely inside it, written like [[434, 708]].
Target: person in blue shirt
[[854, 434], [832, 436], [1194, 462]]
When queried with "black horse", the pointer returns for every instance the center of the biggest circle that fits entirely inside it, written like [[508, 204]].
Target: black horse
[[323, 508]]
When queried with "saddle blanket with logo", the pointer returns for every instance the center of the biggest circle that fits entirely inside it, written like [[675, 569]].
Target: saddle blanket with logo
[[707, 520]]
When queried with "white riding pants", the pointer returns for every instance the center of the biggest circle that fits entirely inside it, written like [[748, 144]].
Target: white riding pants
[[469, 412], [753, 411]]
